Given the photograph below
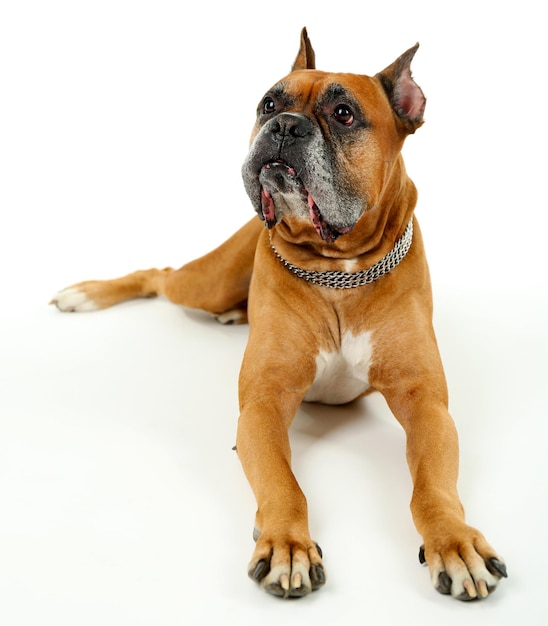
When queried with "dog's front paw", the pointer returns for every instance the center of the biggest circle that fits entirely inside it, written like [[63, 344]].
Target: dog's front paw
[[74, 299], [287, 568], [463, 564]]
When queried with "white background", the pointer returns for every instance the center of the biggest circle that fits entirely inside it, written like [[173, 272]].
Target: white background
[[123, 126]]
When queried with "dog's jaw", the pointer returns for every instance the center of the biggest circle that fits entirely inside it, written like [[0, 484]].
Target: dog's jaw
[[326, 231], [279, 180], [298, 176]]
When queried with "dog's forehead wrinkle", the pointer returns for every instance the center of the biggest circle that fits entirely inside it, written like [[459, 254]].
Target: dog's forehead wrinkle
[[316, 90], [333, 91], [302, 86], [279, 91], [291, 93]]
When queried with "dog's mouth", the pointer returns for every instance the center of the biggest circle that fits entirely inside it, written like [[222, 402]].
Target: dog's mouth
[[287, 180]]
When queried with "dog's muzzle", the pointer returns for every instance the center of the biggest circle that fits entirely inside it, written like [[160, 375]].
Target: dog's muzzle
[[280, 161]]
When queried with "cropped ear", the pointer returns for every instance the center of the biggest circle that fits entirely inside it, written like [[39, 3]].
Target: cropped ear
[[306, 59], [405, 96]]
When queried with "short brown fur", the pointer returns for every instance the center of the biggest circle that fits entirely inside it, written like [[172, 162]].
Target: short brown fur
[[291, 321]]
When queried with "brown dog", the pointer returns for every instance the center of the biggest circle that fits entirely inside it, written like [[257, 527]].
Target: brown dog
[[338, 296]]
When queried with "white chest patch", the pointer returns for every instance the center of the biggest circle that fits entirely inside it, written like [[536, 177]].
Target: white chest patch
[[341, 376]]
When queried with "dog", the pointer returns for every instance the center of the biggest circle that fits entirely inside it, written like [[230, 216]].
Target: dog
[[337, 293]]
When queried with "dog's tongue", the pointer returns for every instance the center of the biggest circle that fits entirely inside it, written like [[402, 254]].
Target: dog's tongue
[[267, 204]]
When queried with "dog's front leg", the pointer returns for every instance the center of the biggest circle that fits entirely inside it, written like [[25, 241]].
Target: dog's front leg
[[460, 560], [286, 562]]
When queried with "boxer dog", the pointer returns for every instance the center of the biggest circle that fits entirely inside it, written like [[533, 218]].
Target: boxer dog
[[337, 292]]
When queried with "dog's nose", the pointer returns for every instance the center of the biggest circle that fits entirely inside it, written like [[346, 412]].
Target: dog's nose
[[288, 127]]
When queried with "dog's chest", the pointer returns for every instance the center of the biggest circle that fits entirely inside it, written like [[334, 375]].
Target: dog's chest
[[342, 375]]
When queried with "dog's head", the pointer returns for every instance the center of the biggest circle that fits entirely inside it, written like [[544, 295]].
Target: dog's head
[[324, 144]]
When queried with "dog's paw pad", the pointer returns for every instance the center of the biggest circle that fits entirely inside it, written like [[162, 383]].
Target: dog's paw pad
[[73, 300]]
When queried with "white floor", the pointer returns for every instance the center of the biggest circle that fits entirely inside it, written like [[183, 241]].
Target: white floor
[[123, 132]]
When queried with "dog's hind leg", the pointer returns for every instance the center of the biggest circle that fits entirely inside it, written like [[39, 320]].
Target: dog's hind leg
[[217, 282]]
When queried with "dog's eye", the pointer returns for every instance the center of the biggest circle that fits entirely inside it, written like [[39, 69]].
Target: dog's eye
[[343, 114], [269, 106]]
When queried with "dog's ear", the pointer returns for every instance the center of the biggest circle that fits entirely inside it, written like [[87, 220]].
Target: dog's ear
[[306, 59], [406, 97]]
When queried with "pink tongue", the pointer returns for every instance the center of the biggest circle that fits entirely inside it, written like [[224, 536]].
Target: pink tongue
[[315, 216], [268, 208]]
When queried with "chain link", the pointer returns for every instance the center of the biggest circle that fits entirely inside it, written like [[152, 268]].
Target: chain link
[[345, 280]]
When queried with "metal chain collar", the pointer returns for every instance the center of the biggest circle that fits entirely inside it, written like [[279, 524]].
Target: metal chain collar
[[346, 280]]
